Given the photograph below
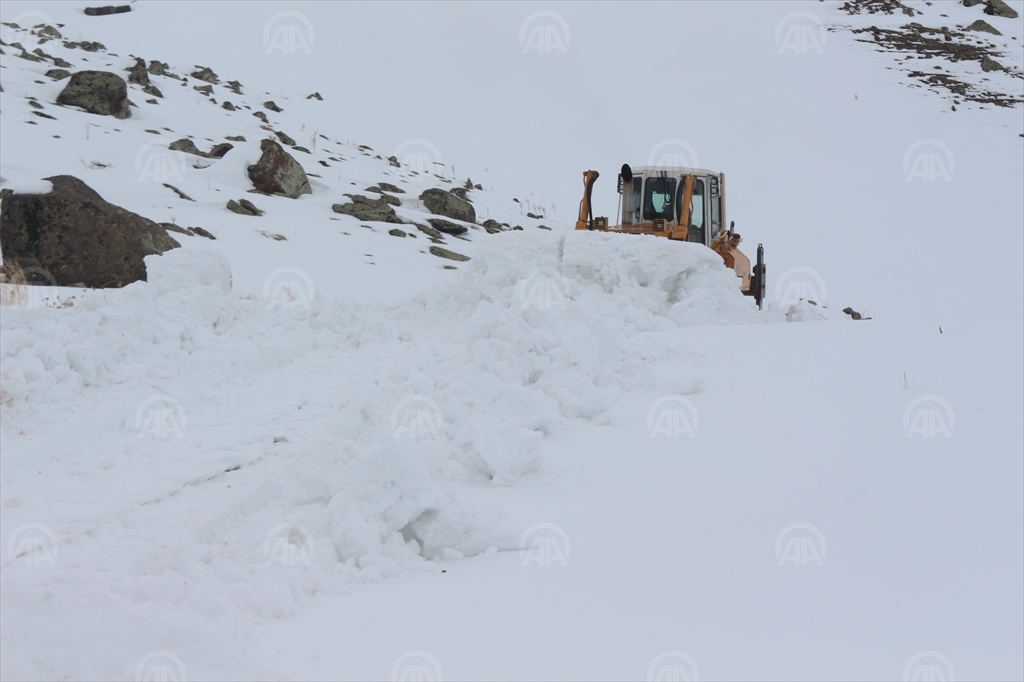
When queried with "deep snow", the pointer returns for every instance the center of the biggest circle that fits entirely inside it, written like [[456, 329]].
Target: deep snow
[[633, 439]]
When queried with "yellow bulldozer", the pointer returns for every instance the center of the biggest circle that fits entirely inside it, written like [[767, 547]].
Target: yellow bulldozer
[[685, 204]]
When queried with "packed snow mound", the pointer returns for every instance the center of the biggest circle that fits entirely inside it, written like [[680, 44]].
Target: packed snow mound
[[374, 452]]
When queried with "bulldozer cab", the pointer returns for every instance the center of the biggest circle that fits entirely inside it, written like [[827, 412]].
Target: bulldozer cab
[[658, 193], [677, 203]]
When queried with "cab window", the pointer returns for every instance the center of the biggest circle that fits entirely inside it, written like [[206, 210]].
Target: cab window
[[658, 195]]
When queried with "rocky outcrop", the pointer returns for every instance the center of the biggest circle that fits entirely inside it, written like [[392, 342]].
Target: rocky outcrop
[[278, 173], [284, 137], [98, 92], [205, 73], [186, 146], [440, 202], [364, 208], [78, 237], [244, 207], [388, 187], [445, 253], [984, 26], [273, 107], [493, 226], [58, 74], [109, 9], [998, 8], [447, 227]]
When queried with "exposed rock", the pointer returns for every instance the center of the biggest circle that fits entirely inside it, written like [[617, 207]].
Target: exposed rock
[[394, 161], [972, 3], [434, 235], [185, 145], [300, 148], [30, 57], [477, 186], [535, 217], [460, 192], [270, 105], [447, 227], [171, 227], [989, 64], [138, 74], [261, 116], [285, 138], [278, 173], [219, 150], [544, 227], [205, 73], [201, 232], [445, 253], [98, 92], [62, 63], [315, 95], [244, 207], [440, 202], [205, 89], [364, 208], [236, 138], [397, 233], [49, 32], [78, 237], [151, 89], [492, 226], [998, 8], [58, 74], [235, 87], [227, 105], [517, 228], [982, 25], [109, 9], [85, 45], [42, 115], [157, 68], [388, 187], [178, 192]]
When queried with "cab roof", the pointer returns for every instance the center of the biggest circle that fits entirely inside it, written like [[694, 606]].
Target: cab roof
[[672, 170]]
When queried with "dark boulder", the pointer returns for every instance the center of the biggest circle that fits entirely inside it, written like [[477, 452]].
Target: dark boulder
[[278, 173], [109, 9], [78, 237], [98, 92], [365, 208], [440, 202]]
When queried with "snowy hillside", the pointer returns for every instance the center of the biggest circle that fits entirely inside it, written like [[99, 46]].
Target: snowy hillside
[[314, 446]]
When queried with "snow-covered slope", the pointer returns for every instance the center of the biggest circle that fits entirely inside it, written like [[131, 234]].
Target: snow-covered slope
[[573, 456]]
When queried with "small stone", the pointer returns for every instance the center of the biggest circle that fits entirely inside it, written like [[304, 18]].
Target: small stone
[[982, 25], [236, 138], [58, 74], [397, 233], [285, 138], [227, 105], [104, 11], [205, 73], [273, 107]]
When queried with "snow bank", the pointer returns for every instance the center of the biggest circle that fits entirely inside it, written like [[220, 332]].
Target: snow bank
[[323, 442]]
